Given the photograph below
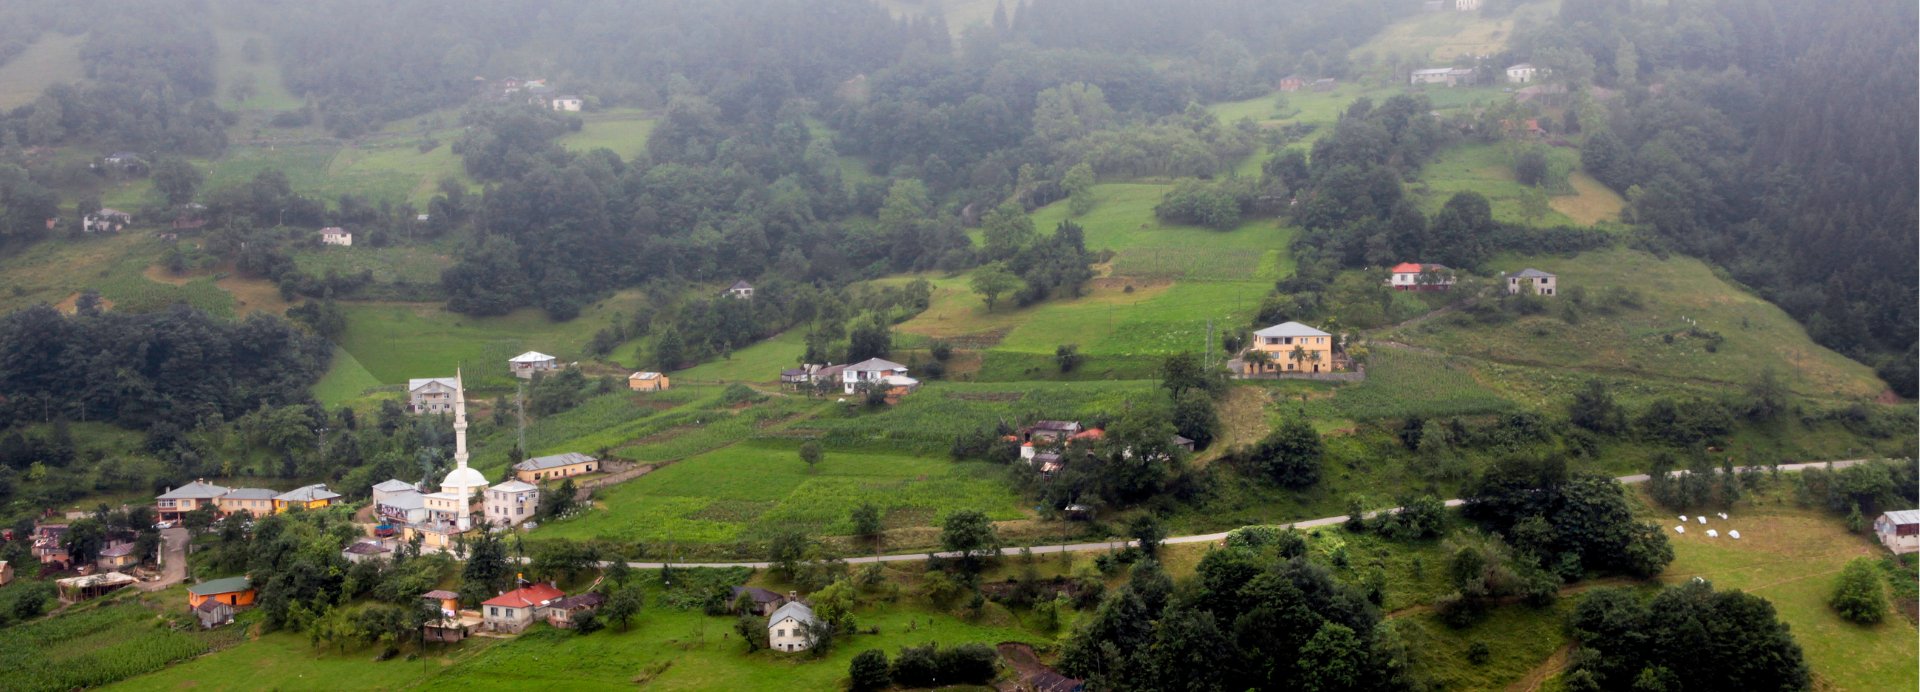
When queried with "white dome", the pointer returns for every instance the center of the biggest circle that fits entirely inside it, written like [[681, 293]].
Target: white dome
[[464, 477]]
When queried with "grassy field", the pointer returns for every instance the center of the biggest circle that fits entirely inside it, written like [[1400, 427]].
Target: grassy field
[[1488, 170], [414, 263], [1791, 556], [54, 59], [1442, 36], [747, 491], [398, 341], [622, 130], [928, 421], [346, 379], [286, 660], [1758, 335], [761, 362]]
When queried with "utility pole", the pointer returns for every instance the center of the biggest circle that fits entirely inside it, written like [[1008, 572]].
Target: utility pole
[[520, 404], [1208, 360]]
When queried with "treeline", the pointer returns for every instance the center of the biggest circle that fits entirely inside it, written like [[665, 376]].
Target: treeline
[[179, 366], [1745, 135]]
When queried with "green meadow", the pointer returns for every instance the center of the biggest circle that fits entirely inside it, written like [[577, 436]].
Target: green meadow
[[622, 130], [53, 59], [749, 490], [398, 341]]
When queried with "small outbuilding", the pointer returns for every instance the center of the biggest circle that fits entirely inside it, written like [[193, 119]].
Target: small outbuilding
[[1899, 531], [213, 614], [740, 289], [646, 381], [362, 551]]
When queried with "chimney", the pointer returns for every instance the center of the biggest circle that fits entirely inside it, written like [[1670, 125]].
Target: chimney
[[793, 595]]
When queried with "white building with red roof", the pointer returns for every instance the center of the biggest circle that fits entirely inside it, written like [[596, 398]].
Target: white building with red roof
[[1414, 276], [514, 610]]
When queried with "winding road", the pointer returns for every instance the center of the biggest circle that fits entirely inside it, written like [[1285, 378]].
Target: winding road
[[1200, 538]]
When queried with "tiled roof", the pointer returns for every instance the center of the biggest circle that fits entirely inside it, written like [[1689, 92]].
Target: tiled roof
[[526, 597]]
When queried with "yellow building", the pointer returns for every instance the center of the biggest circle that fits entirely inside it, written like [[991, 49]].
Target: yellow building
[[176, 502], [1290, 348], [254, 501], [648, 382], [313, 496], [555, 467]]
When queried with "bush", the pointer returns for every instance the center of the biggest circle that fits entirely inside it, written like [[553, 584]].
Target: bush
[[1478, 653], [1858, 595], [916, 666], [868, 671]]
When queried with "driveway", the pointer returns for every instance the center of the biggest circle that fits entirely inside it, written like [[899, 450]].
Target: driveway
[[173, 565]]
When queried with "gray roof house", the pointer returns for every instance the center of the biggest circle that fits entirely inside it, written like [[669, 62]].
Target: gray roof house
[[1533, 281], [786, 627], [552, 461]]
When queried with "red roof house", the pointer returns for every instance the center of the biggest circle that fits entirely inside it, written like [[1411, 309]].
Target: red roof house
[[1413, 276], [514, 610]]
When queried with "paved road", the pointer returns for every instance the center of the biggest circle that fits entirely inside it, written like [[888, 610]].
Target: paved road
[[1201, 538], [173, 566]]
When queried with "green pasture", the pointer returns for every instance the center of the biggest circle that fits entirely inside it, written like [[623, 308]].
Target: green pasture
[[761, 362], [1758, 335], [287, 660], [622, 130], [1402, 383], [1791, 556], [398, 341], [1488, 170], [345, 380], [1519, 639], [750, 490], [1144, 248], [53, 59], [927, 421], [1440, 37], [391, 264]]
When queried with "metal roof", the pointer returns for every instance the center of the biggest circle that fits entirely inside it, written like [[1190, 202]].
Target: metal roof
[[393, 485], [311, 493], [875, 364], [531, 357], [796, 610], [552, 461], [1531, 273], [197, 490], [1904, 516], [1290, 329], [220, 586], [418, 382], [514, 485], [249, 494]]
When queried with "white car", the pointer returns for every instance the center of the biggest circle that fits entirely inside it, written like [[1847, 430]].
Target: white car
[[162, 526]]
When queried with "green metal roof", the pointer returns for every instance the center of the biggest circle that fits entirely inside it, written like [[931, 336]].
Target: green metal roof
[[218, 586]]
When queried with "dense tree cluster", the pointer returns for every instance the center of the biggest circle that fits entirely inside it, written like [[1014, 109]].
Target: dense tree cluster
[[1726, 162], [1251, 618], [1571, 523], [1686, 637], [177, 367]]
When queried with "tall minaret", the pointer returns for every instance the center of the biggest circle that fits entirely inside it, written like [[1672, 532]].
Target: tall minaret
[[459, 420]]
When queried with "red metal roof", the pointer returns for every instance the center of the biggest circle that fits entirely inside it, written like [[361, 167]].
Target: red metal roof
[[1407, 268], [527, 597]]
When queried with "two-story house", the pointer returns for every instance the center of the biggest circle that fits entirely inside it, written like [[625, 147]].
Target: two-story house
[[512, 501], [514, 610], [431, 394], [177, 502], [1533, 281], [313, 496], [1414, 276], [875, 370], [787, 627], [257, 502], [1290, 347]]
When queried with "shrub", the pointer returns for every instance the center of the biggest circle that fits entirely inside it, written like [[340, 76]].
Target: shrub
[[1478, 653], [1858, 595], [868, 671]]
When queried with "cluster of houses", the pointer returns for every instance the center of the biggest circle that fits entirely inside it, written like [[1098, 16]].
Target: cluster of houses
[[852, 379], [176, 503], [1521, 73], [533, 92]]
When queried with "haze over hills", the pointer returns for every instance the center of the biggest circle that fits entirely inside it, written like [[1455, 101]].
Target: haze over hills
[[1386, 293]]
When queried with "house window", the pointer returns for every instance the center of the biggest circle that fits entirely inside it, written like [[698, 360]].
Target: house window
[[779, 633], [493, 610]]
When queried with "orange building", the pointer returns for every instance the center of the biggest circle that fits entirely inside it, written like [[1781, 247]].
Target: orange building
[[233, 591]]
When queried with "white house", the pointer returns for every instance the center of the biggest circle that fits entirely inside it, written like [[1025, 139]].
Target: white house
[[1450, 76], [1899, 531], [511, 502], [1414, 276], [335, 235], [430, 394], [786, 627], [874, 370], [567, 103], [1533, 281], [1521, 73], [1466, 5], [741, 290], [526, 364], [105, 221]]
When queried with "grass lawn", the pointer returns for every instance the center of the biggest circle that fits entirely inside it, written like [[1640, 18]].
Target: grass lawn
[[346, 379], [1758, 335], [287, 660], [1144, 248], [1442, 36], [396, 168], [623, 130], [761, 362], [1791, 556], [1518, 638], [398, 341], [53, 59], [927, 421], [749, 490], [1594, 203], [1488, 170]]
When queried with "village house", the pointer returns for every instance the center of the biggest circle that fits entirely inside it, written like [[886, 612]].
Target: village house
[[811, 374], [1292, 83], [876, 370], [256, 502], [526, 364], [1048, 432], [646, 381], [1450, 76], [786, 627], [1292, 347], [47, 548], [511, 502], [1413, 276], [1521, 73], [1899, 531], [362, 551], [177, 502], [106, 221], [77, 589], [430, 395], [447, 602], [213, 614], [741, 290], [335, 235], [313, 496], [390, 488], [514, 610], [757, 601], [555, 466], [233, 591], [6, 573], [570, 104], [118, 556], [1466, 5], [1533, 281], [125, 162], [562, 613]]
